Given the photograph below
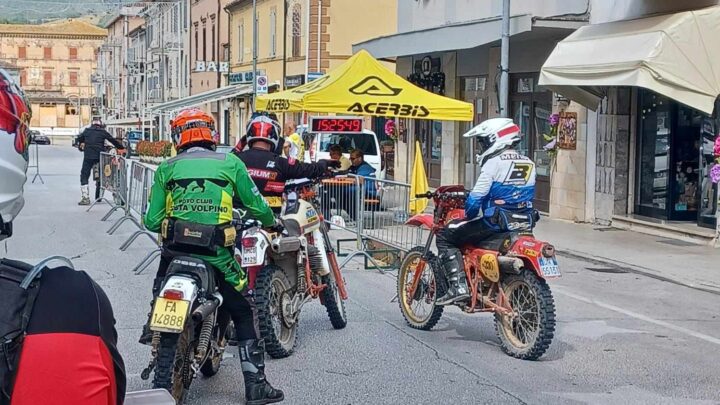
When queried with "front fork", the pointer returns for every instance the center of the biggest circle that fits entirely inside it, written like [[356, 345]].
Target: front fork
[[334, 267], [421, 266]]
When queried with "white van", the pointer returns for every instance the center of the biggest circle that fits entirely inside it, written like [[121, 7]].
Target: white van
[[317, 145]]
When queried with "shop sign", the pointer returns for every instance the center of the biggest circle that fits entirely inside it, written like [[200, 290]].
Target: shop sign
[[314, 76], [243, 77], [294, 81], [211, 66]]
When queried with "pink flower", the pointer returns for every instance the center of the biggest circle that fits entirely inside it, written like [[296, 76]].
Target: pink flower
[[390, 128], [715, 173], [554, 119], [716, 149]]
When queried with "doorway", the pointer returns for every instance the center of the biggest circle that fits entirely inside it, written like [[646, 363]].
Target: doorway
[[530, 108], [472, 90], [669, 151], [429, 133]]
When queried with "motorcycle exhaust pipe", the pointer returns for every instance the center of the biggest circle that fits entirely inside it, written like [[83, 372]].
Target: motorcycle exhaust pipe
[[207, 308], [286, 244]]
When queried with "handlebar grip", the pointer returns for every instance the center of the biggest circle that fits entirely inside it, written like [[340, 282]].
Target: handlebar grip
[[424, 195]]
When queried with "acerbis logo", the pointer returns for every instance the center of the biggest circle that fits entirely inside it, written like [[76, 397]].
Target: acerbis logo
[[278, 105], [402, 110], [374, 86]]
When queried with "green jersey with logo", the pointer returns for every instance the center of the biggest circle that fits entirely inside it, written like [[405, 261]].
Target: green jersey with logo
[[198, 186]]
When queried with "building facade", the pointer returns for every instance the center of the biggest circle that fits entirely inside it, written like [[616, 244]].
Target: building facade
[[298, 41], [113, 71], [209, 56], [55, 63]]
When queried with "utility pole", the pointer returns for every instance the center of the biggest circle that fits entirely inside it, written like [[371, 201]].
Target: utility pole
[[254, 53], [504, 60]]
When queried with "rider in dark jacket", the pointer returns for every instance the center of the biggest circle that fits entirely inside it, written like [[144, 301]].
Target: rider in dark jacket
[[92, 142], [266, 167]]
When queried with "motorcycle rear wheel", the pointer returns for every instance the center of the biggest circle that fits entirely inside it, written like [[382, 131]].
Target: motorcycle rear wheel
[[431, 287], [172, 371], [211, 366], [280, 339], [528, 333]]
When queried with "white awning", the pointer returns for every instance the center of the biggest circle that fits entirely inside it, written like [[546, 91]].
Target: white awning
[[445, 38], [675, 55], [125, 123], [218, 94]]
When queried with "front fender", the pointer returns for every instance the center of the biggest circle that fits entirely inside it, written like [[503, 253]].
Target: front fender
[[421, 220]]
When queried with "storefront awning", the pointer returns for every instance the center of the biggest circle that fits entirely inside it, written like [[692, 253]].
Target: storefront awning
[[125, 123], [464, 35], [674, 55], [363, 86], [218, 94]]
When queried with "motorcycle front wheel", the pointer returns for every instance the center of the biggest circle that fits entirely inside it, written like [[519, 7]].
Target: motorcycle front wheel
[[526, 333], [333, 302], [172, 371], [419, 310], [270, 287]]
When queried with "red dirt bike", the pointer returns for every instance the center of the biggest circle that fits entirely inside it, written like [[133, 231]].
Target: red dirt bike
[[506, 276]]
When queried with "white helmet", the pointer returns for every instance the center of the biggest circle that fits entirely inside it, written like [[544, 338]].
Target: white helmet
[[496, 135], [14, 120]]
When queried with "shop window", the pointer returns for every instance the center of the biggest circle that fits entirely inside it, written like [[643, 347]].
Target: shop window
[[73, 53], [47, 53], [22, 52]]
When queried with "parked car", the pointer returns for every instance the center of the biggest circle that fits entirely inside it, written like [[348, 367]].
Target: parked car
[[38, 138]]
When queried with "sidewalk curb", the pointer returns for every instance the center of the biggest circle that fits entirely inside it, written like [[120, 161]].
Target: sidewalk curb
[[708, 287]]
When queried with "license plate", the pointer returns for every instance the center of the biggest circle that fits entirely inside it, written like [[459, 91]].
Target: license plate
[[549, 267], [249, 256], [169, 315]]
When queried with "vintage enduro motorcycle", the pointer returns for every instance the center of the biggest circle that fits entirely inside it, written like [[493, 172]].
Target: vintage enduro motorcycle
[[506, 276], [190, 329], [290, 269]]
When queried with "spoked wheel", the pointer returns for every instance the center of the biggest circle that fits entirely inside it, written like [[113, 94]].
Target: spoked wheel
[[419, 310], [172, 371], [333, 302], [272, 289], [527, 332]]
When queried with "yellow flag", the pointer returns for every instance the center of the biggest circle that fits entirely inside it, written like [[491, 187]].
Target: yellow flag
[[418, 183]]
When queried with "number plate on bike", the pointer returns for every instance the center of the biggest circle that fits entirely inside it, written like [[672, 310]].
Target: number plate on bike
[[249, 256], [549, 267], [169, 315]]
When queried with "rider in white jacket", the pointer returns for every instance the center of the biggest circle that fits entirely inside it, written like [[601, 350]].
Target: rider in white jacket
[[501, 201]]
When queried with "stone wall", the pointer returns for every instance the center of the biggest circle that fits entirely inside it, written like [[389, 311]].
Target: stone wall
[[567, 192]]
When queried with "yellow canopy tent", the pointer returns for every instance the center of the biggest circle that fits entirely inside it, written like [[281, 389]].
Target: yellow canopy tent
[[363, 86]]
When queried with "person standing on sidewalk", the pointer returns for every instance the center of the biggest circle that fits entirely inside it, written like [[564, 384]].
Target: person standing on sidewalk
[[92, 142]]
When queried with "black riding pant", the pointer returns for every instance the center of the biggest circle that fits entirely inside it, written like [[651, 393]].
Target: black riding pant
[[87, 166], [240, 305], [459, 233]]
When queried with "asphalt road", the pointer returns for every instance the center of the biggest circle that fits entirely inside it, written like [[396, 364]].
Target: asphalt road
[[621, 337]]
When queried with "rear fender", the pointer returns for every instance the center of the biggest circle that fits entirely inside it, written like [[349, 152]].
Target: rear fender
[[183, 283], [421, 220], [529, 250], [261, 245]]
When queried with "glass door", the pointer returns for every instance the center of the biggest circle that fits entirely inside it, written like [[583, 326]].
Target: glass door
[[653, 155], [708, 191], [686, 165]]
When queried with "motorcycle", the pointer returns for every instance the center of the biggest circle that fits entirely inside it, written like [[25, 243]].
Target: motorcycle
[[190, 329], [299, 266], [506, 276]]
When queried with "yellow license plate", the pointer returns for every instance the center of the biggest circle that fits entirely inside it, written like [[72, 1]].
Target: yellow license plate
[[169, 315], [274, 202]]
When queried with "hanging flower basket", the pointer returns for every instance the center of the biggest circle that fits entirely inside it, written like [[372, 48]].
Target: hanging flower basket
[[391, 130]]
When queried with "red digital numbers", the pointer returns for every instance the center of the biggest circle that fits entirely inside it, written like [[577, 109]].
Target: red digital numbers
[[337, 125]]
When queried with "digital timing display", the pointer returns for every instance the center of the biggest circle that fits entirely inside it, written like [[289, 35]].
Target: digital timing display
[[336, 124]]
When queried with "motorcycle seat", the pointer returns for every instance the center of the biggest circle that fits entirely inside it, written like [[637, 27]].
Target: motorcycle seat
[[498, 242]]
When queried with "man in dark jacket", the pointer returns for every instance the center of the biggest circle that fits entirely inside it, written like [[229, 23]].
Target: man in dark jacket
[[92, 142], [267, 168]]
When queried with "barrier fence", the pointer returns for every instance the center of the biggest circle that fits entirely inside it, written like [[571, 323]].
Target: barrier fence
[[112, 171], [371, 212]]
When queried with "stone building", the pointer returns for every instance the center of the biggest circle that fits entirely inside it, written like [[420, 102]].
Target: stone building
[[55, 62]]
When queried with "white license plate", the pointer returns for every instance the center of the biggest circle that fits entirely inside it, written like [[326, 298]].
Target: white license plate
[[549, 267], [249, 256]]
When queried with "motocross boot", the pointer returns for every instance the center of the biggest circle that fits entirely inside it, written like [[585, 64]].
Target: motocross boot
[[457, 289], [258, 390], [147, 334], [85, 195]]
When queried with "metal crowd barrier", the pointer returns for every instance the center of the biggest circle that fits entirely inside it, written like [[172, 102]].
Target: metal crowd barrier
[[375, 211], [113, 179]]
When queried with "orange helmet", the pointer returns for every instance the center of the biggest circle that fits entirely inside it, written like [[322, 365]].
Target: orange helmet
[[192, 125]]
